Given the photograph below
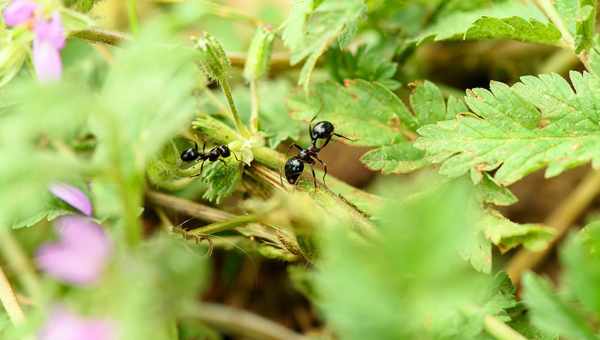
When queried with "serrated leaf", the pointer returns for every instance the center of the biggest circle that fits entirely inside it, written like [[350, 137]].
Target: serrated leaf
[[313, 26], [222, 179], [540, 121], [366, 63], [508, 20], [550, 314], [490, 192]]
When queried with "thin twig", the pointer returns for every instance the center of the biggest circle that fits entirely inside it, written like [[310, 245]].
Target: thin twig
[[218, 227], [193, 209], [500, 330], [255, 106], [19, 263], [560, 219], [9, 301], [103, 36], [240, 322]]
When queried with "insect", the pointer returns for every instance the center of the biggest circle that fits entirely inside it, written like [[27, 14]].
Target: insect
[[215, 154], [294, 166], [322, 130]]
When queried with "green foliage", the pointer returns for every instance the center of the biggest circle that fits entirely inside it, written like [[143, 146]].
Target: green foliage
[[506, 20], [366, 63], [222, 179], [313, 26], [212, 58], [81, 5], [580, 18], [519, 129], [552, 315], [411, 281]]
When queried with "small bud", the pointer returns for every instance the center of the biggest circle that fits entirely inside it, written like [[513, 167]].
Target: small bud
[[259, 54], [212, 58]]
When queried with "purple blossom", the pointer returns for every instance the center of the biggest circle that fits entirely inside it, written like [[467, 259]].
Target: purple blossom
[[80, 255], [19, 12], [65, 325], [49, 40], [73, 196]]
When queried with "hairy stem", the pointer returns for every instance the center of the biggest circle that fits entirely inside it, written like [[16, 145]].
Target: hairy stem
[[547, 7], [9, 301], [500, 330], [233, 109], [218, 227], [132, 15], [189, 208], [255, 106], [240, 322], [20, 264], [560, 219]]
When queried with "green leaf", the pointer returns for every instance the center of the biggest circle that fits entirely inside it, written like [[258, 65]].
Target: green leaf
[[507, 20], [582, 274], [222, 179], [366, 112], [390, 288], [81, 5], [397, 158], [506, 234], [550, 314], [490, 192], [579, 17], [540, 121], [313, 26], [366, 63]]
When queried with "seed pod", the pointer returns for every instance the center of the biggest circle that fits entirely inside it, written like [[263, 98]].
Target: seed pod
[[212, 58], [259, 54]]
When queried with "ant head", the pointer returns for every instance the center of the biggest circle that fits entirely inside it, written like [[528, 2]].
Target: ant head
[[190, 154], [321, 130], [293, 169], [224, 151]]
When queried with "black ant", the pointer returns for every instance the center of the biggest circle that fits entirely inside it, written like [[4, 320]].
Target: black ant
[[295, 166], [215, 154]]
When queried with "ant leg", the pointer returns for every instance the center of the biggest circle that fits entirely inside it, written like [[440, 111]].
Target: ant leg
[[202, 167], [235, 156], [324, 169], [312, 169], [325, 143], [344, 137], [221, 159]]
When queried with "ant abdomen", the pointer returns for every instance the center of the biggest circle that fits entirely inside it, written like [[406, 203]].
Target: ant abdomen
[[293, 169]]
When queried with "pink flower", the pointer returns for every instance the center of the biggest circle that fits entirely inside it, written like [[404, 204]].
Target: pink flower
[[73, 196], [80, 255], [19, 12], [49, 40], [64, 325]]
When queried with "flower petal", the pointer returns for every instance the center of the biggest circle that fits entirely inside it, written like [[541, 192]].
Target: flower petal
[[51, 32], [19, 12], [73, 196], [47, 63], [81, 253], [65, 325]]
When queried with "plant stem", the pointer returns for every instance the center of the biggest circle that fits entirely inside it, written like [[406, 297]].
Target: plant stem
[[233, 109], [103, 36], [547, 7], [193, 209], [560, 219], [20, 264], [218, 227], [240, 322], [500, 330], [9, 301], [255, 106], [132, 15]]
